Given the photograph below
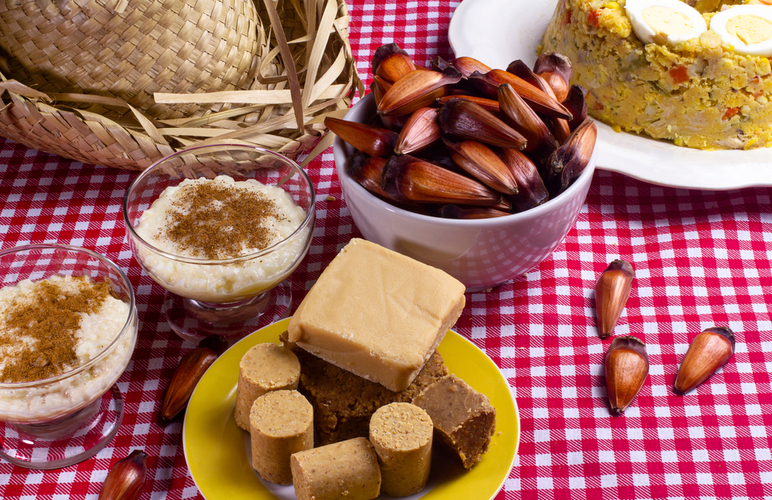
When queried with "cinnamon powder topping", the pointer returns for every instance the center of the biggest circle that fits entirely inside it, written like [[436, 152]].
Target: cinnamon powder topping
[[218, 221], [39, 334]]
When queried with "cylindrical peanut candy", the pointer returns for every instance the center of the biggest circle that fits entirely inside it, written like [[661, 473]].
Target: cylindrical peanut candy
[[265, 367], [348, 469], [281, 423], [401, 434]]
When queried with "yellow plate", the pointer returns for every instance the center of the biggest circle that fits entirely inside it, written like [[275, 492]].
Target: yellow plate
[[216, 451]]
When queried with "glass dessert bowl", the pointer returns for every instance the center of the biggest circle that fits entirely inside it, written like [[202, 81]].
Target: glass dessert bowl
[[68, 327], [220, 228]]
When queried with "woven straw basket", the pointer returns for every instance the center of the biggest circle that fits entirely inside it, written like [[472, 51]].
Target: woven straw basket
[[122, 83]]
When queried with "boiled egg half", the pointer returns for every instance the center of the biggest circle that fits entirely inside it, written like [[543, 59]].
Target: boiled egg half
[[664, 21], [747, 28]]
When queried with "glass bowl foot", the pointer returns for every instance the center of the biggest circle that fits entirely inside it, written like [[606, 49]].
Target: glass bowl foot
[[194, 320], [66, 441]]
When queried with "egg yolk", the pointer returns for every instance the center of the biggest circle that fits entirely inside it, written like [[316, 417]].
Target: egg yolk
[[667, 20], [750, 29]]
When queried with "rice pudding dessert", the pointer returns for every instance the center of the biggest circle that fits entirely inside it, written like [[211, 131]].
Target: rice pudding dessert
[[218, 219], [50, 330]]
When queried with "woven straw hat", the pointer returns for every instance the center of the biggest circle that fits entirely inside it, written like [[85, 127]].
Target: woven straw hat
[[131, 49], [122, 83]]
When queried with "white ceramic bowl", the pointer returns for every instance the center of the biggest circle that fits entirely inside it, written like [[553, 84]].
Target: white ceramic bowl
[[479, 253]]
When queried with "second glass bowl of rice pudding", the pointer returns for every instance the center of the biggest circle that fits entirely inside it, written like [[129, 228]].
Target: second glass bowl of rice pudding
[[68, 327], [220, 228]]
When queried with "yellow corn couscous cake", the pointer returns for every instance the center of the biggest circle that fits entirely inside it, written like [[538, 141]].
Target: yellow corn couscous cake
[[695, 72]]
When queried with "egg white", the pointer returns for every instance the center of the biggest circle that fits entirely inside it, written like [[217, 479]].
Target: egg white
[[720, 20], [681, 30]]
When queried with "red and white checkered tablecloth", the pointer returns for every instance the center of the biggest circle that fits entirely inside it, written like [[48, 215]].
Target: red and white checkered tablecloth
[[701, 259]]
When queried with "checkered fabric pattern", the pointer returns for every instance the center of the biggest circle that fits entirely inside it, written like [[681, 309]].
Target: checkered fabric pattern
[[701, 259]]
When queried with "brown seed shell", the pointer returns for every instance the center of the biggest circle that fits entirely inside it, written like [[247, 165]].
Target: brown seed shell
[[468, 65], [379, 86], [521, 70], [487, 104], [559, 127], [126, 479], [540, 101], [374, 141], [611, 293], [419, 131], [467, 120], [383, 52], [409, 179], [438, 63], [531, 190], [417, 89], [394, 66], [483, 164], [568, 161], [556, 70], [505, 205], [709, 351], [367, 171], [576, 102], [626, 368], [187, 374], [522, 118]]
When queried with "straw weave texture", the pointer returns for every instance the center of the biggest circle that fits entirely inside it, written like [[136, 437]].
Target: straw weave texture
[[123, 83], [132, 50]]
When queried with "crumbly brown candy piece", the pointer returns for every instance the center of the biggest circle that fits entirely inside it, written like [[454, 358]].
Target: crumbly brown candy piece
[[281, 423], [401, 434], [343, 402], [348, 469], [463, 418], [264, 367]]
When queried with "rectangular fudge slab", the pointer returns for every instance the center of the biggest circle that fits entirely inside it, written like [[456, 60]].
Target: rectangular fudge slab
[[463, 418], [377, 313]]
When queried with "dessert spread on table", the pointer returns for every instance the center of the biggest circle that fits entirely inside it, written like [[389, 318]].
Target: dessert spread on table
[[695, 72], [361, 352], [355, 398]]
